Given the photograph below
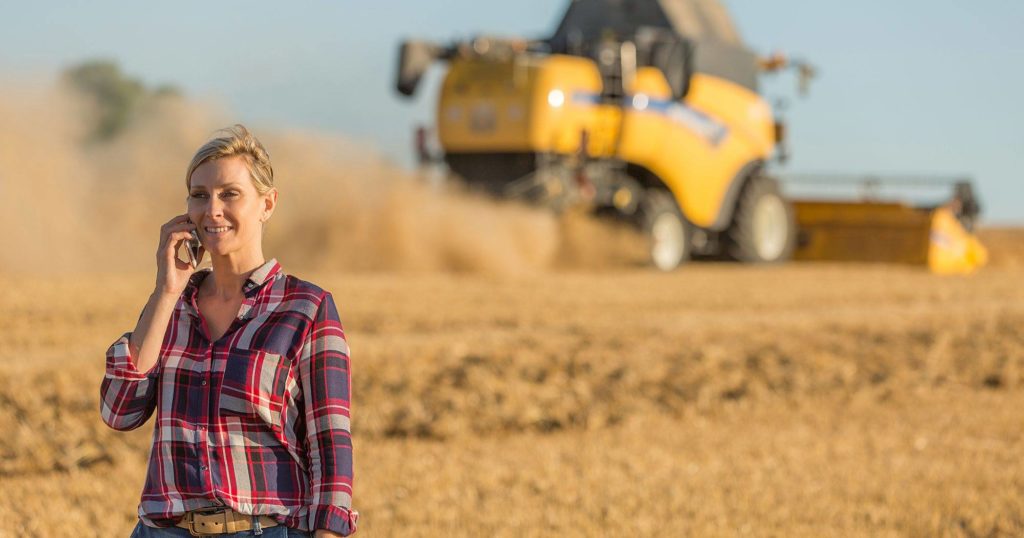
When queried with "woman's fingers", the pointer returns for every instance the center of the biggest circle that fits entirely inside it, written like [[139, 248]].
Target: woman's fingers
[[175, 230], [173, 245], [178, 219], [172, 271], [179, 222], [179, 227], [175, 238]]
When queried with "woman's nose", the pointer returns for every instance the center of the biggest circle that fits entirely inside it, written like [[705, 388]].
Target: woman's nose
[[215, 207]]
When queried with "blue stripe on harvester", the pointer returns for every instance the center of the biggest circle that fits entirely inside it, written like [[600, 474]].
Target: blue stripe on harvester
[[712, 130]]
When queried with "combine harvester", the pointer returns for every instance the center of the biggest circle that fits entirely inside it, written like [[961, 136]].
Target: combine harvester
[[648, 111]]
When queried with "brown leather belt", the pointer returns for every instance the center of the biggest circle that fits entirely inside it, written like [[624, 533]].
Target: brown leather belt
[[210, 522]]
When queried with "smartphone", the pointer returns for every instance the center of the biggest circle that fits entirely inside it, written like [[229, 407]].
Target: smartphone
[[192, 247]]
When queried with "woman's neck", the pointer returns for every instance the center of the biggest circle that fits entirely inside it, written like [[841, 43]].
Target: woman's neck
[[230, 272]]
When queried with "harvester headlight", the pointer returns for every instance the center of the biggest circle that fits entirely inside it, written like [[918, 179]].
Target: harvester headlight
[[453, 113], [640, 101], [556, 98], [622, 198]]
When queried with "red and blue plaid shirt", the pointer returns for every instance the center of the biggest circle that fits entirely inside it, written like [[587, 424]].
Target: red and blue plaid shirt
[[258, 421]]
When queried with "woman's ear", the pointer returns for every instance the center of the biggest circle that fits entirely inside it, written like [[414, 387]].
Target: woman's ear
[[269, 203]]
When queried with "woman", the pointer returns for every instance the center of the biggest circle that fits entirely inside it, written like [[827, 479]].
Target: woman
[[247, 369]]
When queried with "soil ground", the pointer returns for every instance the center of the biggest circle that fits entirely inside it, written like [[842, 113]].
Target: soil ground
[[718, 400]]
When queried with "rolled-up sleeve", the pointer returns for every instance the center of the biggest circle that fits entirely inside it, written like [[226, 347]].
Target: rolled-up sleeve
[[325, 375], [127, 396]]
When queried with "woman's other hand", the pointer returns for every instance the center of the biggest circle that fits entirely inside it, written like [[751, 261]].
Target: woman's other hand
[[172, 274]]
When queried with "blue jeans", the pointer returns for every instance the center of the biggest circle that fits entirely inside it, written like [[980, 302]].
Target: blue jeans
[[278, 531]]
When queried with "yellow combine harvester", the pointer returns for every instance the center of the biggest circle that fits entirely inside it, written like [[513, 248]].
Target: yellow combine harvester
[[645, 110]]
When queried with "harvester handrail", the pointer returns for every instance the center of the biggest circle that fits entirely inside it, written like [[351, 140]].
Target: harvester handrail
[[962, 201], [902, 180]]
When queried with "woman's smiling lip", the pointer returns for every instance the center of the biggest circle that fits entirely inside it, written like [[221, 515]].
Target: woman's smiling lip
[[216, 229]]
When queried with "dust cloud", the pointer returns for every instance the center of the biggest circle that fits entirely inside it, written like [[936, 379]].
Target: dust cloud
[[71, 206]]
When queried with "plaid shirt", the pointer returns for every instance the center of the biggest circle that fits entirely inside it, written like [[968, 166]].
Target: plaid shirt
[[257, 421]]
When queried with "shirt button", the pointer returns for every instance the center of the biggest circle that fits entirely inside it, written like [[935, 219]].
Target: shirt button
[[204, 382]]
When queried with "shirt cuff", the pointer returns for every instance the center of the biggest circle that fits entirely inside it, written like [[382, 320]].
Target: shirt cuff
[[333, 518], [120, 363]]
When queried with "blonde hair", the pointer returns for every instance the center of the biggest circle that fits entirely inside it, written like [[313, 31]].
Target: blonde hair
[[238, 141]]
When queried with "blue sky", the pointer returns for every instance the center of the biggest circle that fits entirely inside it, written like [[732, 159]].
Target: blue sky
[[904, 87]]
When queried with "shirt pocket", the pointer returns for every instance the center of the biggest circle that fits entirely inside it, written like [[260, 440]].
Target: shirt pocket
[[254, 386]]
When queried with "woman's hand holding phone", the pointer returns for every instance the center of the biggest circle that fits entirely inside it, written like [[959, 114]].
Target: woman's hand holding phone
[[172, 273]]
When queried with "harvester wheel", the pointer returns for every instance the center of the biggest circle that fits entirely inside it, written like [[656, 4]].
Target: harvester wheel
[[667, 230], [764, 226]]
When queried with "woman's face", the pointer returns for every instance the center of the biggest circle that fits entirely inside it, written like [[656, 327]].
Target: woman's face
[[226, 208]]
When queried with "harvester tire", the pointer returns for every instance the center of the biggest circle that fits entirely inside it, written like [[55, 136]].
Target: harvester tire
[[763, 229], [666, 229]]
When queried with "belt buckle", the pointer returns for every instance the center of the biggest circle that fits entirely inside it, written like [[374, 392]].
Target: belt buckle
[[191, 520]]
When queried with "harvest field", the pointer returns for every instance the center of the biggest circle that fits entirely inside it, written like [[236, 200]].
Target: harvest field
[[718, 400]]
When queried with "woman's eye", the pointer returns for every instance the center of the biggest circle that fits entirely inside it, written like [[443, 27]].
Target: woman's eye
[[198, 195], [230, 194]]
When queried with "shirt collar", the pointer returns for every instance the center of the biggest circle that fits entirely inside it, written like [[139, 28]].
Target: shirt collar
[[256, 280], [263, 274]]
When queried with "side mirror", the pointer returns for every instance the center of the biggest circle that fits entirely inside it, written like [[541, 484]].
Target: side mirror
[[670, 53], [674, 57], [414, 58]]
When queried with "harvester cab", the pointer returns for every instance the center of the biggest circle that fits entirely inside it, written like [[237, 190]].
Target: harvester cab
[[643, 110]]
